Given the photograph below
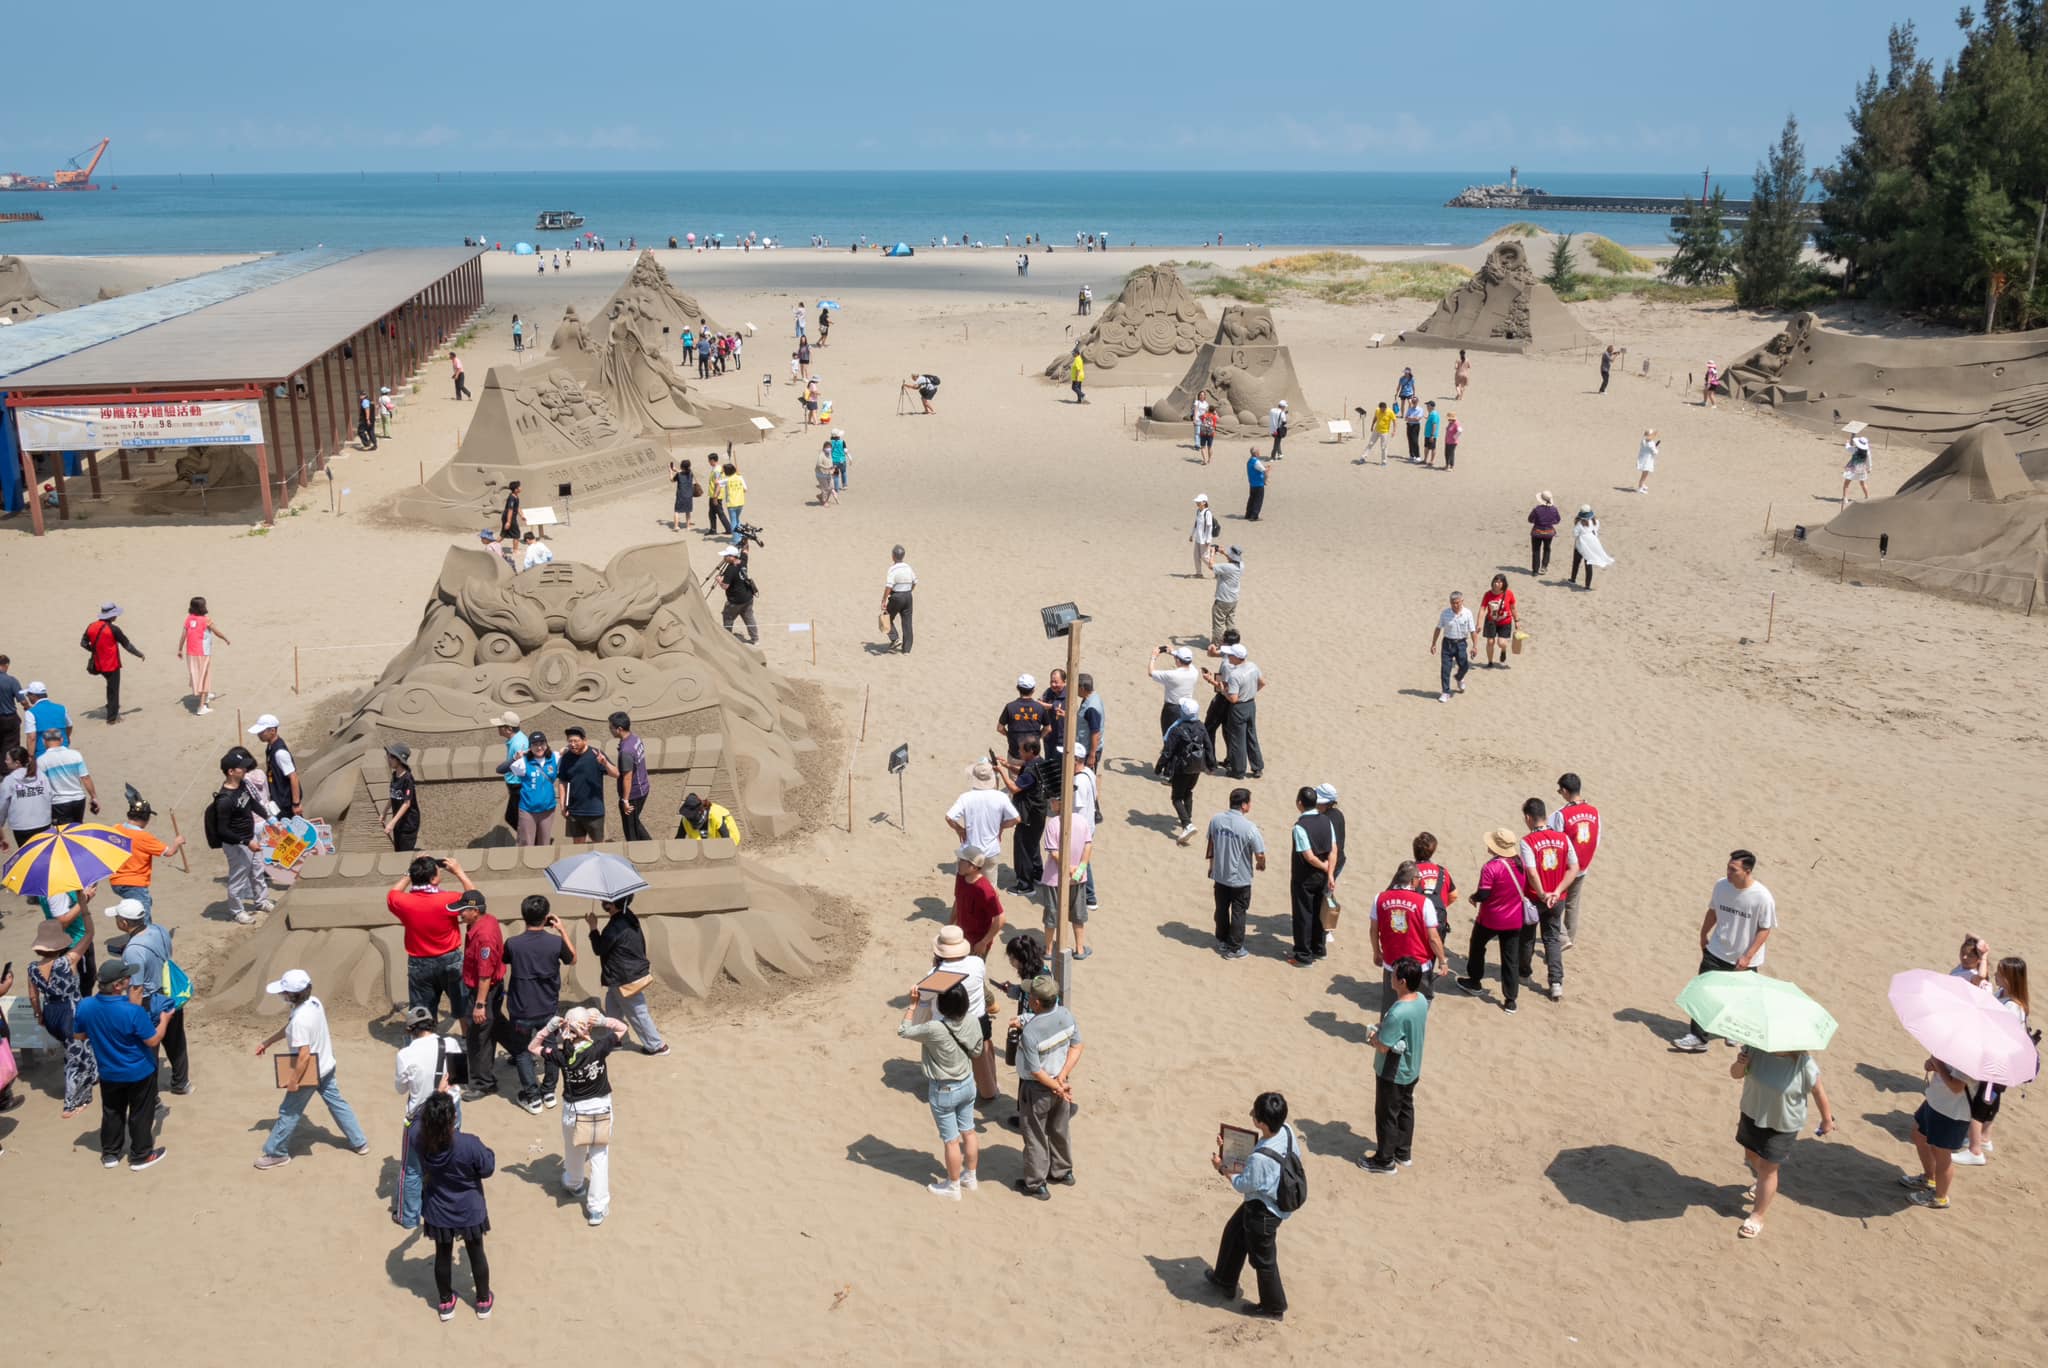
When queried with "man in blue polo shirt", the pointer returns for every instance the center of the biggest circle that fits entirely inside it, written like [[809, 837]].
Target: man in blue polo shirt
[[1255, 476], [124, 1040]]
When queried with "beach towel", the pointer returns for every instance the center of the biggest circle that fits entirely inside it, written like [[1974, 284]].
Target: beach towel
[[1586, 541]]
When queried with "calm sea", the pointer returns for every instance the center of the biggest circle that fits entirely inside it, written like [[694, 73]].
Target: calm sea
[[203, 213]]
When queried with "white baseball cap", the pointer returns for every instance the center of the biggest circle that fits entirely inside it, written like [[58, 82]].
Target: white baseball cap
[[1183, 655], [1201, 498], [1235, 652], [730, 552], [1190, 708], [36, 686], [294, 981], [1025, 681], [264, 724], [129, 909], [1326, 793]]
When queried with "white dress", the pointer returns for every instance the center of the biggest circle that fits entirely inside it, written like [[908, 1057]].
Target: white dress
[[1586, 541], [1646, 457]]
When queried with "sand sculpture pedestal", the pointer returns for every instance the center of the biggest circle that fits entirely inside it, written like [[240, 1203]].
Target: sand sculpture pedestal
[[1146, 336], [560, 644], [20, 299], [1503, 308], [1246, 371]]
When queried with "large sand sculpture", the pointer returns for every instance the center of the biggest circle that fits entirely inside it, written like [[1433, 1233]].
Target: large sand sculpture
[[653, 306], [20, 300], [1973, 521], [572, 345], [560, 644], [1146, 335], [541, 425], [650, 398], [1246, 371], [1928, 390], [1503, 308]]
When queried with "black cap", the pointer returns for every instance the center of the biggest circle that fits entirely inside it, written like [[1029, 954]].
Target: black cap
[[115, 971], [472, 899], [419, 1018]]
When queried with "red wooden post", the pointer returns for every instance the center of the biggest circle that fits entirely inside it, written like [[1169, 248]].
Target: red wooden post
[[263, 479], [298, 439], [271, 432], [329, 364]]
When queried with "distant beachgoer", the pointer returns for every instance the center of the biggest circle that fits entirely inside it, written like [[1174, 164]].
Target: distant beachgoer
[[518, 335], [195, 647], [803, 359], [1077, 372], [1646, 459], [1606, 366], [1452, 641], [951, 1045], [685, 481], [1497, 615], [509, 517], [1432, 424], [1462, 376], [1498, 916], [366, 421], [1184, 757], [1858, 470], [103, 642], [1543, 523], [827, 490], [1397, 1064], [537, 772], [1775, 1088], [1314, 846], [1711, 387], [1454, 432], [1382, 427], [56, 983], [1202, 406], [899, 585], [839, 451], [1550, 864], [1203, 534], [927, 387], [824, 326], [453, 1165], [1255, 480], [1404, 388], [1276, 426], [1579, 820], [1411, 414], [2008, 983], [1586, 547], [1205, 434], [461, 384]]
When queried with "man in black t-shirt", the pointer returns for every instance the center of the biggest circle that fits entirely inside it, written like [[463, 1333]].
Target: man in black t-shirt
[[739, 593], [581, 772], [402, 818], [1022, 716], [509, 519], [533, 987]]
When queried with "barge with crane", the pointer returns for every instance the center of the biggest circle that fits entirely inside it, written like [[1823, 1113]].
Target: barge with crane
[[71, 177]]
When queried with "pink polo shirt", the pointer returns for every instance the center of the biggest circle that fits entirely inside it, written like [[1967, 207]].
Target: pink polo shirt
[[1500, 896]]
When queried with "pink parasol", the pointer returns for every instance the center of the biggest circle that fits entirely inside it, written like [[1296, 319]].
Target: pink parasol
[[1964, 1027]]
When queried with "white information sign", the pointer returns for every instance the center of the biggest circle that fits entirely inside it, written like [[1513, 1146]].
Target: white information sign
[[230, 422]]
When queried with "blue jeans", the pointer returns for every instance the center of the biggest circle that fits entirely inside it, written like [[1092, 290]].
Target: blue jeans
[[409, 1171], [839, 474], [953, 1107], [1455, 653], [293, 1106], [426, 980], [140, 895]]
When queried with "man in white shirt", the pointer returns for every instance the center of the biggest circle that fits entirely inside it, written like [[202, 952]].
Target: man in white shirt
[[1276, 425], [1178, 680], [1455, 629], [1203, 534], [981, 815], [897, 583], [1741, 915], [420, 1073], [305, 1031], [537, 553]]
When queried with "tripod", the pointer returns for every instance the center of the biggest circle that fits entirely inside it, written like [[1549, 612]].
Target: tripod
[[904, 403]]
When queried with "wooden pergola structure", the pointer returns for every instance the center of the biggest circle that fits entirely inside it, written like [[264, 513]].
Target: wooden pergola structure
[[305, 346]]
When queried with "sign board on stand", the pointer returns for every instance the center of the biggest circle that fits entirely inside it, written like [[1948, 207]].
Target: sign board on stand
[[237, 422]]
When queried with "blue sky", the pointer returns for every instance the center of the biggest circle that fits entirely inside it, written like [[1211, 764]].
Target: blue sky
[[234, 86]]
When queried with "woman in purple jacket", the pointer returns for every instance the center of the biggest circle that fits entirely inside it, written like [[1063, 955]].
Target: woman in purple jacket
[[453, 1166]]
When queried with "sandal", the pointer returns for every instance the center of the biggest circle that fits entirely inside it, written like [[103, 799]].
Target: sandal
[[1750, 1229], [1749, 1194]]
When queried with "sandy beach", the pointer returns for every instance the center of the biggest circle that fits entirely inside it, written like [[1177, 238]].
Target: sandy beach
[[1575, 1195]]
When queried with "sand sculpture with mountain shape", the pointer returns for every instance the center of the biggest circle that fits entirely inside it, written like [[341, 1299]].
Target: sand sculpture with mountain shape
[[1973, 522], [572, 345], [1145, 336], [650, 398], [1246, 371], [1504, 307], [541, 425], [1927, 390], [650, 303], [560, 644], [20, 300]]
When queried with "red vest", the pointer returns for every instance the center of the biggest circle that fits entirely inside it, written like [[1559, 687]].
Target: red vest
[[1582, 827], [1552, 852], [1403, 915], [106, 651], [1426, 877]]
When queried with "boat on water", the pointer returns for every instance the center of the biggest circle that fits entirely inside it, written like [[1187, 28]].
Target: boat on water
[[558, 218]]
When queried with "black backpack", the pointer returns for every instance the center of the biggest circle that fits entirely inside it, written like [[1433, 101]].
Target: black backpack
[[1293, 1190]]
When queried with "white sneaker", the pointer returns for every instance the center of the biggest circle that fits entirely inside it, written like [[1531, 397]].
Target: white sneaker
[[1443, 698], [951, 1190], [1690, 1043], [969, 1182], [1964, 1157], [245, 917], [265, 905], [203, 711]]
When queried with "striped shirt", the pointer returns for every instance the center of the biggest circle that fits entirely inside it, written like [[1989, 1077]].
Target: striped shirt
[[1456, 623]]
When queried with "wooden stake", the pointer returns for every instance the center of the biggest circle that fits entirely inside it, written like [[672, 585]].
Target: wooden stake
[[1771, 624], [423, 473], [814, 642], [1767, 515], [849, 802], [295, 667], [186, 863], [866, 690]]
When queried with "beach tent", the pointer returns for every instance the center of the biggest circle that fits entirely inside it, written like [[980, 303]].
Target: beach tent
[[522, 249], [901, 249]]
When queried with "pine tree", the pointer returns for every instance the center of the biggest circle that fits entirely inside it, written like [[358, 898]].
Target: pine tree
[[1564, 266], [1767, 265], [1703, 256]]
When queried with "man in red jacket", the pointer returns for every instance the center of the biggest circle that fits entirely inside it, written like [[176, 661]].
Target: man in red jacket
[[1548, 867], [1404, 927], [1579, 820], [104, 641]]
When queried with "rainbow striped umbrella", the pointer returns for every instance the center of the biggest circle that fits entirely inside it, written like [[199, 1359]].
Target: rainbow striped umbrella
[[66, 860]]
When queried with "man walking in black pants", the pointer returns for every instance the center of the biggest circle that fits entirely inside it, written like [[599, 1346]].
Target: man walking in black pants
[[898, 583], [103, 642], [1255, 478], [1240, 682], [1235, 850], [1030, 792], [1315, 852], [1397, 1067]]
